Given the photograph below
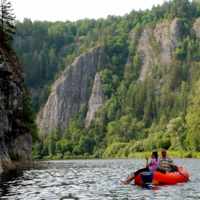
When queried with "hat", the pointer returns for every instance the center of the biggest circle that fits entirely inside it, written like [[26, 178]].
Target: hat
[[164, 150]]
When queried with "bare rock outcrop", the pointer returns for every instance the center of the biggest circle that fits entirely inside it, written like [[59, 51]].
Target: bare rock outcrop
[[196, 27], [97, 99], [14, 140], [156, 46], [145, 51], [70, 91], [168, 35]]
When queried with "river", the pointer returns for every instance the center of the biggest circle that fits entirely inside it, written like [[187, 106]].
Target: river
[[92, 179]]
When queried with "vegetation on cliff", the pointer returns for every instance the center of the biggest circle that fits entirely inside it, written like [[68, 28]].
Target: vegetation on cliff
[[160, 111], [16, 113], [6, 19]]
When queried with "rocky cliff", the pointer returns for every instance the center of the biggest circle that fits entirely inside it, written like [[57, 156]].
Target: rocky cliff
[[196, 27], [156, 46], [15, 142], [97, 99], [70, 91]]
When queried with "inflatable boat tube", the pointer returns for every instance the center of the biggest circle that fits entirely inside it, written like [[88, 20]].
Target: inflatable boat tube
[[154, 177]]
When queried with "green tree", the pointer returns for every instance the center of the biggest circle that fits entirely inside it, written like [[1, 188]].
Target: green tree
[[193, 118], [28, 117], [86, 143], [6, 19], [176, 129], [63, 146]]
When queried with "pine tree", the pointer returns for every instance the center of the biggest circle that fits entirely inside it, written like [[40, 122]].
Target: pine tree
[[6, 20], [193, 118]]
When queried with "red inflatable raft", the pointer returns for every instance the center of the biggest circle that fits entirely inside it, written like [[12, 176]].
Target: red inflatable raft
[[154, 177]]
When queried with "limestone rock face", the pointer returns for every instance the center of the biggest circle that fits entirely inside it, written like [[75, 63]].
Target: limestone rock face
[[97, 99], [22, 146], [70, 91], [145, 51], [13, 138], [196, 27], [166, 36]]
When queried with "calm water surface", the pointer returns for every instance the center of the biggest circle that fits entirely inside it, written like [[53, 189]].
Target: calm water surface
[[92, 179]]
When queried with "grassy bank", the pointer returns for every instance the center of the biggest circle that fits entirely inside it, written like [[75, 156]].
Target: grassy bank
[[172, 154]]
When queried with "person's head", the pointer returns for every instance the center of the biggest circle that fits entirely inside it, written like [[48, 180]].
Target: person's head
[[164, 152], [155, 155]]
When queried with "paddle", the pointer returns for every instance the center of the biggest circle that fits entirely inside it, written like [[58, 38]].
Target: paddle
[[184, 176], [175, 168]]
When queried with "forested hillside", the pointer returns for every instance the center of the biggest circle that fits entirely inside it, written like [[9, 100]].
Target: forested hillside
[[149, 63]]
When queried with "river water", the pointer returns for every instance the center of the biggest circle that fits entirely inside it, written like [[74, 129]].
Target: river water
[[92, 179]]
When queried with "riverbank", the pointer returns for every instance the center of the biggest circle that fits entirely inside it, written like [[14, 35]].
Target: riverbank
[[172, 154], [7, 164]]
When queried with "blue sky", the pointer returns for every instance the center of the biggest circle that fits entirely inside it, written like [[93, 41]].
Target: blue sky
[[73, 10]]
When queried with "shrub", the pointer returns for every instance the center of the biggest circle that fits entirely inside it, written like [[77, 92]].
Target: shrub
[[113, 150]]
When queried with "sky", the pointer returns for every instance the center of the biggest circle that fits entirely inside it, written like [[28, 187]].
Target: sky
[[73, 10]]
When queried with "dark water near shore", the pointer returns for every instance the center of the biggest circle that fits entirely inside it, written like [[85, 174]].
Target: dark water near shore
[[92, 179]]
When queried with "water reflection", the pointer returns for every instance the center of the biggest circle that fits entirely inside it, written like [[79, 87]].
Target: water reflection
[[91, 179], [149, 187], [158, 186], [8, 176]]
